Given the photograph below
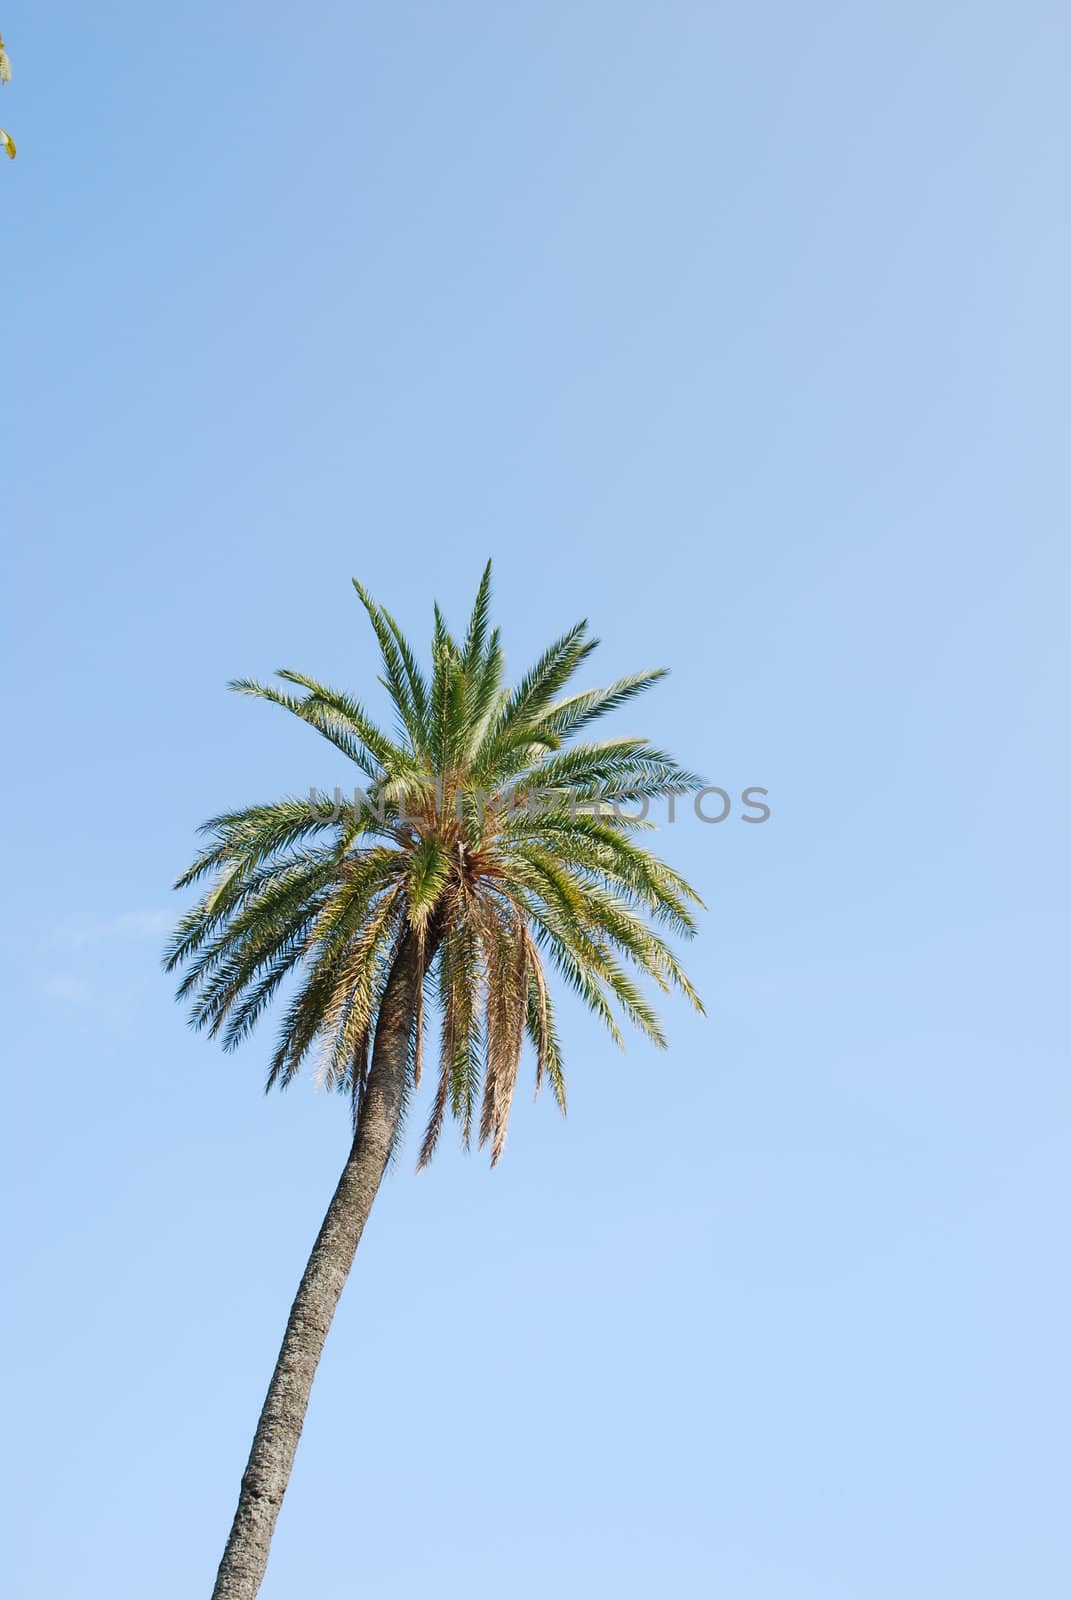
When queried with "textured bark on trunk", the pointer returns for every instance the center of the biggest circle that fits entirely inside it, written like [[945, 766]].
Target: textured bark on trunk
[[271, 1458]]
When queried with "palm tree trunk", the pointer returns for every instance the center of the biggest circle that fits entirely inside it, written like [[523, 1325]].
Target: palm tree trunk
[[275, 1442]]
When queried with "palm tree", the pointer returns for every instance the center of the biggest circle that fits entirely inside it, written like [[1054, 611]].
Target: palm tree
[[6, 141], [477, 850]]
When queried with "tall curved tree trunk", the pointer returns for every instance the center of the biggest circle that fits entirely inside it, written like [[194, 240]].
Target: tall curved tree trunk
[[272, 1456]]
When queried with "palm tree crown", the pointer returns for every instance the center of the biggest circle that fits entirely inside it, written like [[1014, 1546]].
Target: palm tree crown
[[481, 833]]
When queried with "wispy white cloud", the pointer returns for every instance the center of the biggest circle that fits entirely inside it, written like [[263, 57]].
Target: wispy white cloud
[[149, 923], [69, 988], [79, 932]]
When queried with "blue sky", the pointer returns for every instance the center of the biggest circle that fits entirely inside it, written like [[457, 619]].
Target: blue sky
[[742, 332]]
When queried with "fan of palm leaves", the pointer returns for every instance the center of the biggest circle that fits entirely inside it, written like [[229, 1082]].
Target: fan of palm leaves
[[482, 830]]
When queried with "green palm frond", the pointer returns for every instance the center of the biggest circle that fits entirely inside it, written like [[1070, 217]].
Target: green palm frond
[[490, 837]]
